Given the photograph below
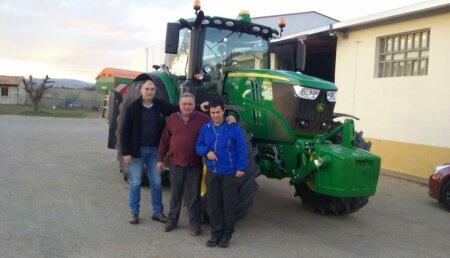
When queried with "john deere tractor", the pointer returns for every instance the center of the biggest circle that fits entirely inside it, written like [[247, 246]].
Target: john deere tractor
[[288, 116]]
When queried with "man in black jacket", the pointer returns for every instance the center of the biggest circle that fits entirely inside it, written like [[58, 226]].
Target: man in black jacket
[[141, 133]]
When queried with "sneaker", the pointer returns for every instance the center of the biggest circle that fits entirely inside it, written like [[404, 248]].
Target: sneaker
[[169, 226], [134, 218], [196, 231], [160, 217], [213, 241], [225, 241]]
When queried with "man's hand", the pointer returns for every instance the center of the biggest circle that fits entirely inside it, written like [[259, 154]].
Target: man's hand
[[127, 159], [239, 174], [160, 166], [231, 120], [204, 106], [212, 156]]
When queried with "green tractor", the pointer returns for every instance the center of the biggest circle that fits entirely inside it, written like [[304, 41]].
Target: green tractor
[[288, 116]]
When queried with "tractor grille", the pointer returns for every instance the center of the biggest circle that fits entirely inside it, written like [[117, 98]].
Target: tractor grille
[[309, 119], [302, 115]]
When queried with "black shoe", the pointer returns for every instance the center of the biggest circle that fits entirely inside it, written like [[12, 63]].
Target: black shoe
[[225, 241], [160, 217], [134, 218], [169, 226], [195, 231], [213, 241]]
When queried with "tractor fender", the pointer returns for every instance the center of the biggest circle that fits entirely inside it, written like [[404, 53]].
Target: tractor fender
[[161, 90]]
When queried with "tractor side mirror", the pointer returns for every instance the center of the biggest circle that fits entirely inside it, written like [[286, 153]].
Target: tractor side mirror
[[172, 37], [300, 56]]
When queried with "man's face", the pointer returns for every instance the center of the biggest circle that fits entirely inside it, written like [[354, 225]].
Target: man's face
[[216, 114], [148, 91], [187, 106]]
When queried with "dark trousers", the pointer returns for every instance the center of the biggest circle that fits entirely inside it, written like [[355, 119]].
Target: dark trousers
[[222, 197], [185, 180]]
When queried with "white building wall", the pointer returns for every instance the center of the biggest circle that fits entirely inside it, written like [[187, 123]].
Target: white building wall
[[12, 98], [410, 109]]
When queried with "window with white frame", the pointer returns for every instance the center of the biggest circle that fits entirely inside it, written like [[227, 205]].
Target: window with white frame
[[404, 54]]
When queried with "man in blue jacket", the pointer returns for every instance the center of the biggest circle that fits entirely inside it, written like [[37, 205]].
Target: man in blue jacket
[[225, 151]]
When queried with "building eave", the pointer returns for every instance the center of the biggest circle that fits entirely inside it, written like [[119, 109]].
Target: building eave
[[373, 19]]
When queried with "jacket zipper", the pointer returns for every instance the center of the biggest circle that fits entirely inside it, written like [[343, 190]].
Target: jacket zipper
[[215, 147], [229, 154]]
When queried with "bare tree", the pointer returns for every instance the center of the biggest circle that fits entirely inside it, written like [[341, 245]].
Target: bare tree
[[36, 93]]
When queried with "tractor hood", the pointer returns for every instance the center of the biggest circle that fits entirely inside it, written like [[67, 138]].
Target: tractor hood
[[294, 78]]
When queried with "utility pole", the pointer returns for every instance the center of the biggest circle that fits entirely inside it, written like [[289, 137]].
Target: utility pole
[[146, 59]]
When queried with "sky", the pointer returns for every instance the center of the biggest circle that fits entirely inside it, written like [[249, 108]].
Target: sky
[[76, 39]]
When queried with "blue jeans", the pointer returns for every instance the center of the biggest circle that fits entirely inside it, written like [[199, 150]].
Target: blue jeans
[[149, 158]]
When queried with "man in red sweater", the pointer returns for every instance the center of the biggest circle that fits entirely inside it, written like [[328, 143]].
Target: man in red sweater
[[178, 143]]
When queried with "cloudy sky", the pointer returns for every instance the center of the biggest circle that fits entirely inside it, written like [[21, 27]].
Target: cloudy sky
[[77, 38]]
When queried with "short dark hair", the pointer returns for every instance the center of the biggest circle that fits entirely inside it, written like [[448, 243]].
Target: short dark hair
[[216, 102]]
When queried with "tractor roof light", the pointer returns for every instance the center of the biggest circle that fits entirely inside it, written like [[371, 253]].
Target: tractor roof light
[[217, 21], [229, 23], [197, 6], [244, 16], [331, 96], [256, 29], [306, 93], [281, 24]]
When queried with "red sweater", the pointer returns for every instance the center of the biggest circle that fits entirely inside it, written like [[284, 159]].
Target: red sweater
[[179, 138]]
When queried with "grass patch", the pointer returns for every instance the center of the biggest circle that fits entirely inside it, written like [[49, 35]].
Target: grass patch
[[47, 112]]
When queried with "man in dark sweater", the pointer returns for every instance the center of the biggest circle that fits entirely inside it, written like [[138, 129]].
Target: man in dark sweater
[[178, 143], [141, 132]]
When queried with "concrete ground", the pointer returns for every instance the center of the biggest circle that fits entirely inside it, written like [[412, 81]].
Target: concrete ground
[[62, 196]]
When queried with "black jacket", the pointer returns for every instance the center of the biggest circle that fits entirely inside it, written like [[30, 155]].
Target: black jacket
[[131, 129]]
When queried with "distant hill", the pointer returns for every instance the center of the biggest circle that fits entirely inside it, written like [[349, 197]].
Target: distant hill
[[69, 84]]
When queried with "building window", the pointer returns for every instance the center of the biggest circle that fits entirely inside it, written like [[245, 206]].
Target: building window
[[4, 91], [404, 54]]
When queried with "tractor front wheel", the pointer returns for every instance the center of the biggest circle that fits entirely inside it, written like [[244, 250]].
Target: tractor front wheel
[[328, 204]]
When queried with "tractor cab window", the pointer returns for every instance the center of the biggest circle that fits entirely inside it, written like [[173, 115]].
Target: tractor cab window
[[226, 50], [177, 63]]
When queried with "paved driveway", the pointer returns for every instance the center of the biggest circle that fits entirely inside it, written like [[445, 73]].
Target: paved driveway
[[62, 196]]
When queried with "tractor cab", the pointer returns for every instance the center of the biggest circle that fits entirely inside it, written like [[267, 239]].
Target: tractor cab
[[202, 51]]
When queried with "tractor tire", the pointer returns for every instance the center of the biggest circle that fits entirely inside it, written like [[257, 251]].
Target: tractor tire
[[247, 185], [445, 194], [129, 97], [325, 204], [123, 169], [113, 111], [132, 94]]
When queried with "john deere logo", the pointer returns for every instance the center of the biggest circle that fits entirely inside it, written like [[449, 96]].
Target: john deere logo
[[320, 107]]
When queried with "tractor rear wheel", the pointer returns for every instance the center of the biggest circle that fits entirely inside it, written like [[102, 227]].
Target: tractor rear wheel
[[132, 94], [247, 185], [329, 204]]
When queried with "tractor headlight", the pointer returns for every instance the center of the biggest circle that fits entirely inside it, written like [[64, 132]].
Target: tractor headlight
[[331, 96], [306, 93], [207, 69]]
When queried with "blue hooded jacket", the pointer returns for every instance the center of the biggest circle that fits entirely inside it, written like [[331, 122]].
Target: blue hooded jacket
[[228, 143]]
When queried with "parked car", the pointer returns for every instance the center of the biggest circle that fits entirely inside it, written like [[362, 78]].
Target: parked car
[[439, 184]]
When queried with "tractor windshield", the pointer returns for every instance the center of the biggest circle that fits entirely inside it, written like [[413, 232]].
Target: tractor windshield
[[228, 50], [225, 50]]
